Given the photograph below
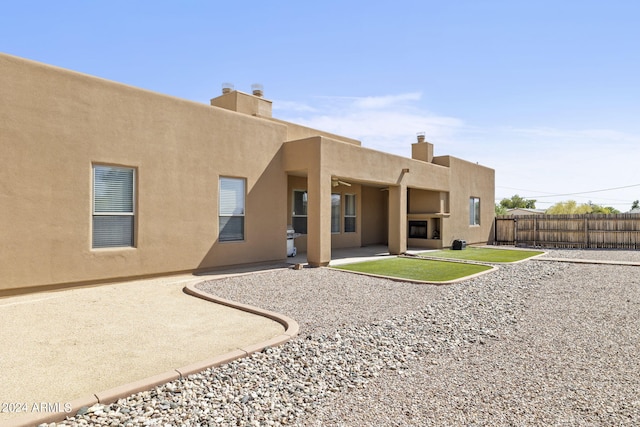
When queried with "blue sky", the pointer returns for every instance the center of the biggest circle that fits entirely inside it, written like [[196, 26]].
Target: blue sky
[[545, 92]]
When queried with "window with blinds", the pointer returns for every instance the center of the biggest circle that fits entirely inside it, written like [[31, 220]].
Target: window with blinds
[[231, 209], [113, 207]]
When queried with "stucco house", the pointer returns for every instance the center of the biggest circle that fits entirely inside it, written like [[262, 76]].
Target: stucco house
[[103, 181]]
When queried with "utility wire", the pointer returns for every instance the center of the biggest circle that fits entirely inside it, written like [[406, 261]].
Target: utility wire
[[546, 194], [588, 192]]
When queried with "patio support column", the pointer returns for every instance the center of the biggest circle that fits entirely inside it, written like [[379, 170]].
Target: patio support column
[[398, 219], [318, 217]]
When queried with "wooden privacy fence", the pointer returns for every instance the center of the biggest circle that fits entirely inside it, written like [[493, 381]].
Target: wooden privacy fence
[[619, 231]]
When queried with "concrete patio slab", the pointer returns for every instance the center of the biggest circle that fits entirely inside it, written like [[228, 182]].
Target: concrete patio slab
[[65, 348]]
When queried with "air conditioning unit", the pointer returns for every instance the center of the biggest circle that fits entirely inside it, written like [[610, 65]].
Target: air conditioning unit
[[459, 245]]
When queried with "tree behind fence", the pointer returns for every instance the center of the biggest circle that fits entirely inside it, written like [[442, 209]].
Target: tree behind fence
[[619, 231]]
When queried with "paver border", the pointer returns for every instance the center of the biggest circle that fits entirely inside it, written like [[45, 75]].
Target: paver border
[[106, 397]]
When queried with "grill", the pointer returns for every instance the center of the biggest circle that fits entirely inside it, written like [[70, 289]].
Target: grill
[[291, 234]]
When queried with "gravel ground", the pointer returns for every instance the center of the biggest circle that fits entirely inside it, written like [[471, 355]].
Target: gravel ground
[[535, 343], [591, 254]]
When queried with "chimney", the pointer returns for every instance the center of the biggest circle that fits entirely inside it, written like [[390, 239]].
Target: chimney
[[227, 87], [422, 150], [242, 102], [257, 90]]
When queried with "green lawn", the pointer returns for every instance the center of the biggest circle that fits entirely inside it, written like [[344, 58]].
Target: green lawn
[[416, 269], [484, 254]]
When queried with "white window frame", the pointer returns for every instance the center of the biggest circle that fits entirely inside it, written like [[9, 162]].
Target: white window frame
[[97, 240], [300, 215], [233, 209], [474, 211], [347, 215]]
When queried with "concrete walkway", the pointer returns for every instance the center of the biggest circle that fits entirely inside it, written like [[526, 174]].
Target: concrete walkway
[[351, 255], [66, 349]]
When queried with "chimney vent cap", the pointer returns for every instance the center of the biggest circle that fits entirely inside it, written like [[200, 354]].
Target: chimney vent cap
[[227, 87], [257, 89]]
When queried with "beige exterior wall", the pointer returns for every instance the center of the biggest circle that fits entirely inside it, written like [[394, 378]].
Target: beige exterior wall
[[427, 201], [55, 124], [375, 168], [244, 103], [432, 208], [339, 239], [295, 132], [468, 180], [375, 216]]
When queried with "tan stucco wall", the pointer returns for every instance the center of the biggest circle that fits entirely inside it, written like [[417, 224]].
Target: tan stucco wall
[[54, 124], [296, 183], [366, 167], [338, 240], [371, 166], [375, 216], [296, 132], [244, 103], [351, 239], [426, 201], [468, 180]]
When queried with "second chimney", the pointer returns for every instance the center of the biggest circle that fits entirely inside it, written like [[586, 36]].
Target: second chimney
[[422, 150]]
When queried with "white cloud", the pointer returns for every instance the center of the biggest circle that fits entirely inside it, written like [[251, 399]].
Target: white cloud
[[376, 102], [542, 160], [585, 135], [293, 106], [386, 123]]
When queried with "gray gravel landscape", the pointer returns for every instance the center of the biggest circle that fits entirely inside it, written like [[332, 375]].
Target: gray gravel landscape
[[534, 343]]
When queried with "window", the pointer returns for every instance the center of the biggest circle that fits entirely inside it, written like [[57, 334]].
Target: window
[[299, 217], [113, 206], [349, 213], [231, 209], [474, 211], [335, 213]]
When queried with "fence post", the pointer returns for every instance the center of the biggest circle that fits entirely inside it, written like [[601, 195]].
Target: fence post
[[495, 230]]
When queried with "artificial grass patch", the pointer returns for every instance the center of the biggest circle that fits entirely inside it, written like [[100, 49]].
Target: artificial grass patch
[[484, 254], [416, 269]]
